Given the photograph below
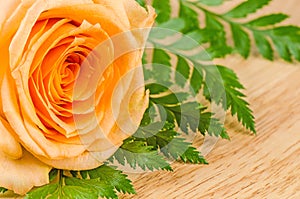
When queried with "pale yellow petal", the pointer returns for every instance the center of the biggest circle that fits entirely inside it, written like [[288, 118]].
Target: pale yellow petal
[[7, 8], [130, 12], [133, 106], [13, 115], [22, 174], [84, 161], [8, 143]]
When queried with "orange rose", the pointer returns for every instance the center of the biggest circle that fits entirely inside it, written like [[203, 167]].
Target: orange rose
[[71, 86]]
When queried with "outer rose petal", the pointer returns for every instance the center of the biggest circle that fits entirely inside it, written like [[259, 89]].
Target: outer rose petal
[[8, 144], [22, 174], [9, 7], [130, 12]]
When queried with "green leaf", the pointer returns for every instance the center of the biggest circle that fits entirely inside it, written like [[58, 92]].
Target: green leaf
[[170, 99], [53, 191], [156, 88], [196, 79], [96, 188], [100, 182], [183, 44], [160, 56], [160, 72], [186, 115], [161, 66], [294, 48], [190, 17], [222, 87], [2, 190], [53, 174], [182, 71], [246, 8], [263, 45], [192, 155], [217, 37], [137, 153], [163, 10], [167, 29], [165, 139], [178, 148], [211, 2], [43, 192], [286, 40], [201, 35], [111, 177], [282, 48], [241, 40], [287, 31], [214, 88], [268, 20], [212, 126], [141, 2], [238, 106], [176, 24]]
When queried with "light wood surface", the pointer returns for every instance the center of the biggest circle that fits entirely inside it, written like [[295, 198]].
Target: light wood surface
[[262, 166], [266, 166]]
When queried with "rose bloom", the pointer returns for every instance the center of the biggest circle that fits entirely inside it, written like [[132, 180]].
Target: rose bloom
[[69, 95]]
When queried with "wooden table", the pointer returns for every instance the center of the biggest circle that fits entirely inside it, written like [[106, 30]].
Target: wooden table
[[262, 166]]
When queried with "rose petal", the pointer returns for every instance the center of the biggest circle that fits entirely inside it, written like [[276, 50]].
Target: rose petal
[[8, 144], [22, 174], [12, 113], [84, 161], [9, 7], [130, 12]]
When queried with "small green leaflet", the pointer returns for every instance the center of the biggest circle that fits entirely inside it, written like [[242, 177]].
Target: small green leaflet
[[141, 2], [103, 181], [235, 100], [189, 16], [163, 10], [287, 41], [96, 188], [183, 71], [161, 67], [139, 154], [192, 155], [53, 174], [196, 80], [268, 20], [2, 190], [176, 24], [217, 37], [263, 45], [67, 191], [111, 176], [211, 2], [246, 8], [241, 40], [212, 126]]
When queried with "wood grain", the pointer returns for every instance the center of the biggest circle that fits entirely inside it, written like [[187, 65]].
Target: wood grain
[[266, 166], [262, 166]]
